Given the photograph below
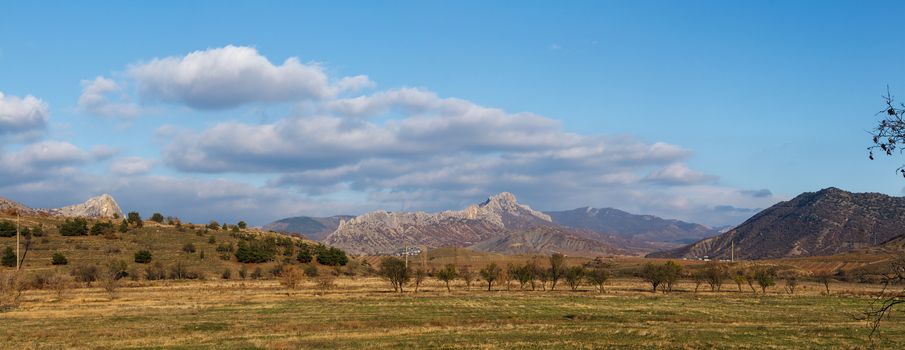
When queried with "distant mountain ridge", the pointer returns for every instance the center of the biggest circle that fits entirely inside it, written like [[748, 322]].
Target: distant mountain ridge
[[639, 227], [103, 206], [826, 222], [382, 232], [314, 228]]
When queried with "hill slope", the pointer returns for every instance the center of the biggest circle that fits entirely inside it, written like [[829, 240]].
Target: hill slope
[[545, 240], [315, 228], [826, 222], [639, 227]]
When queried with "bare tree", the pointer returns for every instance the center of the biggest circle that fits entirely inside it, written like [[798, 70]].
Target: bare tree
[[889, 134], [420, 275], [395, 271], [490, 274], [887, 299], [447, 274], [825, 280], [714, 274], [557, 269], [467, 276]]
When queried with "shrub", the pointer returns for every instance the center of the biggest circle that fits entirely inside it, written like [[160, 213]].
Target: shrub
[[213, 225], [227, 273], [257, 273], [333, 257], [765, 277], [9, 258], [155, 271], [85, 273], [256, 251], [143, 256], [123, 227], [135, 219], [74, 227], [290, 277], [157, 217], [188, 248], [242, 225], [7, 229], [304, 256], [324, 283], [59, 259], [212, 240], [243, 272], [311, 271], [101, 228], [38, 231]]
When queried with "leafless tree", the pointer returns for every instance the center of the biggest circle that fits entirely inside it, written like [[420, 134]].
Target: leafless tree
[[891, 295], [889, 134]]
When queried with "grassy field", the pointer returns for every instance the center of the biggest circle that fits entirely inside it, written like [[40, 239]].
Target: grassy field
[[364, 313]]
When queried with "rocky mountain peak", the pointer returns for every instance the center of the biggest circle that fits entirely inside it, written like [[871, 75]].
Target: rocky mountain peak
[[103, 206]]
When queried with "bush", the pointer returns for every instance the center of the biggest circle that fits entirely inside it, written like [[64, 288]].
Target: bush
[[213, 225], [242, 225], [212, 240], [227, 273], [257, 273], [155, 271], [290, 277], [304, 256], [188, 248], [143, 256], [123, 227], [243, 272], [9, 258], [333, 257], [256, 251], [7, 229], [74, 227], [157, 217], [59, 259], [134, 219], [85, 273], [311, 271], [38, 231], [102, 228]]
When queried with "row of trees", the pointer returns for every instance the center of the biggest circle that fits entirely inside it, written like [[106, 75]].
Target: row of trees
[[530, 275]]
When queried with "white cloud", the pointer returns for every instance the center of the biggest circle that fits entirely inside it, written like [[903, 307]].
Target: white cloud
[[131, 166], [20, 116], [231, 76], [96, 95], [679, 174]]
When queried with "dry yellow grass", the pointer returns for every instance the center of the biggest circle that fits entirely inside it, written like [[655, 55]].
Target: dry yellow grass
[[364, 312]]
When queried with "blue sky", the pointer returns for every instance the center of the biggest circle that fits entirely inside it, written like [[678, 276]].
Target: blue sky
[[681, 109]]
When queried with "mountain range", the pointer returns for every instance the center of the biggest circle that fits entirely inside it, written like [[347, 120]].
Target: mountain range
[[826, 222], [499, 224], [103, 206]]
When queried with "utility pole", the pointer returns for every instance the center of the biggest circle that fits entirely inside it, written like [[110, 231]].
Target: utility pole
[[18, 262], [405, 251], [732, 258]]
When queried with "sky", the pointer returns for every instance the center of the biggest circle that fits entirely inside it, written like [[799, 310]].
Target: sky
[[696, 110]]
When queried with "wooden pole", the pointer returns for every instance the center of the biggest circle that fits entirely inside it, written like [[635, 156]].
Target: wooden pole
[[18, 265]]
